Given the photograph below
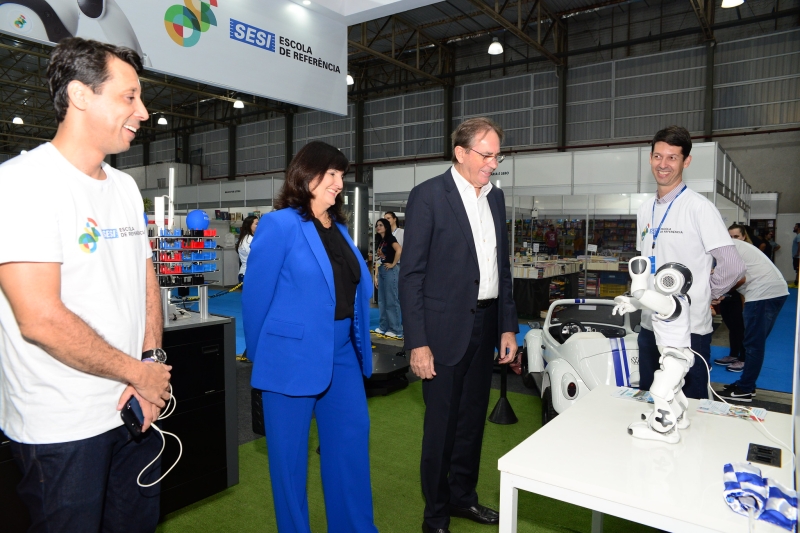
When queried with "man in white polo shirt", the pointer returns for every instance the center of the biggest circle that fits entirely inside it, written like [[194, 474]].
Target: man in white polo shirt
[[79, 304], [681, 226], [765, 291]]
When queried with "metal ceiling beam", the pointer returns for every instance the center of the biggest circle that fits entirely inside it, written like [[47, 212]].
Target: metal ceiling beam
[[703, 17], [35, 126], [418, 30], [512, 28], [395, 62]]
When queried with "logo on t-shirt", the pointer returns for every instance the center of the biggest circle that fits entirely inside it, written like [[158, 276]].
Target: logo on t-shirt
[[88, 239], [644, 233]]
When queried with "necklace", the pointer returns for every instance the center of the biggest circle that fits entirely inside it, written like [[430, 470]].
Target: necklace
[[325, 220]]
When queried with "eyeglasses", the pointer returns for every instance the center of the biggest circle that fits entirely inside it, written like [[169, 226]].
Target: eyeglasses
[[488, 157]]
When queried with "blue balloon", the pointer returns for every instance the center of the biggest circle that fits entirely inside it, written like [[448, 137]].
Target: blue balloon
[[197, 219]]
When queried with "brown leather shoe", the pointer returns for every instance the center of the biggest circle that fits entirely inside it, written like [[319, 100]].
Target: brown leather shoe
[[477, 513]]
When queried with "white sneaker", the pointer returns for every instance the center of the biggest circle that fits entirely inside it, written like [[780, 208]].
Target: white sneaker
[[379, 331], [393, 335]]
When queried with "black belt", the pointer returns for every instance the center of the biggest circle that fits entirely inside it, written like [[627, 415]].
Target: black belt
[[483, 304]]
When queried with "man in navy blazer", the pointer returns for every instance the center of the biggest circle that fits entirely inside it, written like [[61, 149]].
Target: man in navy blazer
[[457, 305]]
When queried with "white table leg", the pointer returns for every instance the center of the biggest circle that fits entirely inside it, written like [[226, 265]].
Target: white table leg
[[508, 504], [597, 522]]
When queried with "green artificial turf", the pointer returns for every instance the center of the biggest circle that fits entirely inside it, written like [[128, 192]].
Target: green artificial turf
[[395, 442]]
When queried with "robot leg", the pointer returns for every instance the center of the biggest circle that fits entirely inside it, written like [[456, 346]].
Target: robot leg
[[662, 423]]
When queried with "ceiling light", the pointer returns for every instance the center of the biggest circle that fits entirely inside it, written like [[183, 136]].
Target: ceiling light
[[306, 2], [17, 120], [162, 121], [350, 80], [731, 3], [238, 104], [495, 48], [23, 152]]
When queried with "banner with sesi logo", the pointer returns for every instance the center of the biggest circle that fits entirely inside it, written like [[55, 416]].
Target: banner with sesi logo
[[272, 48]]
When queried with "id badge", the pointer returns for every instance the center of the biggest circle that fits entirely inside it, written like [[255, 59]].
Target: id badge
[[652, 264]]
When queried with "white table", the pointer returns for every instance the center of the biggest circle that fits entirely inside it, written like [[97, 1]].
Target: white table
[[586, 457]]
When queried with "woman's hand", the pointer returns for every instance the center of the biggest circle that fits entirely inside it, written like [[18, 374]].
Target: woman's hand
[[388, 265], [375, 280]]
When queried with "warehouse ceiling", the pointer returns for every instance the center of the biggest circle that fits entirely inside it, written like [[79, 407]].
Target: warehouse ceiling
[[431, 46]]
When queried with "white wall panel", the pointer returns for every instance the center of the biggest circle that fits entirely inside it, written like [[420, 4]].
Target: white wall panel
[[608, 167], [544, 170], [396, 179], [430, 170], [208, 192]]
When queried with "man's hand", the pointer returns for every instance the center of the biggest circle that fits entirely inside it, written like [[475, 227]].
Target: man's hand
[[508, 347], [150, 411], [152, 383], [422, 362]]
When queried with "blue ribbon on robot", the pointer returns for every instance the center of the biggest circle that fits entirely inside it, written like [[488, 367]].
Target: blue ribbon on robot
[[658, 230]]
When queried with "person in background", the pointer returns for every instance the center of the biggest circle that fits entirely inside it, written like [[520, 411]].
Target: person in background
[[681, 226], [773, 246], [578, 244], [81, 310], [765, 292], [397, 232], [598, 240], [306, 322], [551, 240], [731, 307], [386, 279], [246, 234], [739, 232], [796, 252]]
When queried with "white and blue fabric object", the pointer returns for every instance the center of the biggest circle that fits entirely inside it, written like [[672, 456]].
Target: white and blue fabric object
[[746, 491]]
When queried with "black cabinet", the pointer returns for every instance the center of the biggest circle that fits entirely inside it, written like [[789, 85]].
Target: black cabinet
[[203, 359]]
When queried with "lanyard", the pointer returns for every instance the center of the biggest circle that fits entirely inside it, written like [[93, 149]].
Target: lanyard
[[652, 217]]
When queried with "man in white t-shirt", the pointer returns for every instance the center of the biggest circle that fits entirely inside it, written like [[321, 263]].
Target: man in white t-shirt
[[765, 291], [80, 305], [680, 226]]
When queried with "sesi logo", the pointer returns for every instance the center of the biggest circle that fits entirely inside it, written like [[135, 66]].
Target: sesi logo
[[185, 23], [245, 33]]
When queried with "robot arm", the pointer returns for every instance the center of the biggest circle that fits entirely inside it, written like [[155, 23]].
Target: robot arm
[[670, 280]]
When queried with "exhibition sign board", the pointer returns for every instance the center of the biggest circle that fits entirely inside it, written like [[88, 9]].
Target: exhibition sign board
[[272, 48]]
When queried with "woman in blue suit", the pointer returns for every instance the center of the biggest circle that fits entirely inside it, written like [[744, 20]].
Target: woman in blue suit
[[306, 324]]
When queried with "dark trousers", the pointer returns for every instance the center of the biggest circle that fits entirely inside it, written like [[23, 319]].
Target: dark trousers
[[759, 317], [731, 310], [696, 380], [90, 485], [456, 401], [343, 426]]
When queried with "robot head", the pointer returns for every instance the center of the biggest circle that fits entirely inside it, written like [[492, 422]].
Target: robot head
[[673, 278]]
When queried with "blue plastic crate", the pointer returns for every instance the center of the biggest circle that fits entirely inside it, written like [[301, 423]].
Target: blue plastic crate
[[210, 267]]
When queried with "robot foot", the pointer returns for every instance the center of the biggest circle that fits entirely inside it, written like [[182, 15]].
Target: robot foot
[[684, 422], [640, 430]]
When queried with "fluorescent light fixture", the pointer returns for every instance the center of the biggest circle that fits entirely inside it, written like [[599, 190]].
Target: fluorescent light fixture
[[238, 104], [731, 3], [18, 120], [350, 80], [306, 3], [495, 49], [162, 121]]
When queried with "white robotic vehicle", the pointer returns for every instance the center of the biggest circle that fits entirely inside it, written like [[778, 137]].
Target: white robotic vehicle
[[581, 344]]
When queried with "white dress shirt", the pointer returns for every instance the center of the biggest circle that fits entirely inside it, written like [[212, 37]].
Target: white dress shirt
[[483, 232]]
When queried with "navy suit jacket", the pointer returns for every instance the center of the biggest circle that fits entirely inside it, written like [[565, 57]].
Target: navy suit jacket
[[288, 305], [439, 277]]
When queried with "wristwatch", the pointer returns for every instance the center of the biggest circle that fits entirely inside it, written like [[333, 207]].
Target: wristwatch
[[156, 355]]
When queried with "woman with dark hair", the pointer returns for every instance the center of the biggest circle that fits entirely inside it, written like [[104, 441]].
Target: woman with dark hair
[[249, 225], [306, 324], [389, 250]]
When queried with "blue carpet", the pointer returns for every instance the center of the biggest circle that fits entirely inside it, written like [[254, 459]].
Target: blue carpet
[[776, 374]]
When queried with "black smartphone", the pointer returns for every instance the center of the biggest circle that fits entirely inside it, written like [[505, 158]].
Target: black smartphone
[[132, 416]]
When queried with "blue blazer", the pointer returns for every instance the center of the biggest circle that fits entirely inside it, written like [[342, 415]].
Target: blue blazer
[[288, 304]]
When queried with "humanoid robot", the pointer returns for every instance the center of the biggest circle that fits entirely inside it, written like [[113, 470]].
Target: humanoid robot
[[53, 20], [671, 325]]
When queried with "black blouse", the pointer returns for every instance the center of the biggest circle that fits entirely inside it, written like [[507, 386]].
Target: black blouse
[[346, 269]]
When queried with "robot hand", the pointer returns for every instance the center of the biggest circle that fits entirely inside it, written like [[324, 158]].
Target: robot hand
[[625, 304]]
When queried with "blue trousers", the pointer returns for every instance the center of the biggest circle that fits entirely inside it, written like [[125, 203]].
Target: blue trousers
[[389, 299], [89, 485], [343, 425], [696, 380], [759, 317]]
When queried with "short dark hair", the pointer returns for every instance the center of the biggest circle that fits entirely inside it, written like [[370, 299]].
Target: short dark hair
[[465, 133], [86, 61], [674, 136], [311, 162]]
